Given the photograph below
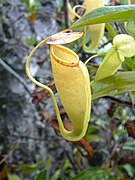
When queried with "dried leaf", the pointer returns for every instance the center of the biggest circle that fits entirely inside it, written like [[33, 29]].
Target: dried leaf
[[41, 61], [32, 18], [66, 122], [130, 127], [46, 116], [64, 38], [3, 171], [54, 124], [128, 159], [39, 94], [112, 109]]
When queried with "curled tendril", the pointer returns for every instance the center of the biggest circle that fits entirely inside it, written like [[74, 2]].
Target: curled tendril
[[74, 10]]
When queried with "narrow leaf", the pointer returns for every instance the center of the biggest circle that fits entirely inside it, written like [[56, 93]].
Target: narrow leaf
[[96, 173], [132, 96], [113, 85], [13, 177], [105, 15], [130, 170], [41, 175], [48, 163], [28, 169]]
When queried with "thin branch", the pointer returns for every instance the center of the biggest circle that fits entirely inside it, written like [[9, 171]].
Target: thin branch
[[6, 157], [122, 102], [23, 137], [11, 150], [16, 75], [123, 30], [12, 23], [28, 137], [71, 161], [93, 64], [67, 23], [102, 45]]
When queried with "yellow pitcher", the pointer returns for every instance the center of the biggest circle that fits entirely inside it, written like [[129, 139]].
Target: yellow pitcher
[[73, 85]]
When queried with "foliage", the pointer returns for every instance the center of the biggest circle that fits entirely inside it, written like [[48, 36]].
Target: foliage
[[113, 85], [32, 5], [27, 169], [95, 173], [31, 41]]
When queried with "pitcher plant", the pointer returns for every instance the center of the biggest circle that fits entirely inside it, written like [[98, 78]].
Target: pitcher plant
[[73, 85]]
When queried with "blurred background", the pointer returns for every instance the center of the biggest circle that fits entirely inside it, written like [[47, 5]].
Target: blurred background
[[29, 147]]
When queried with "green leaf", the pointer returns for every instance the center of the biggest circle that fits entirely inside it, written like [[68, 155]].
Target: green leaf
[[27, 3], [48, 163], [129, 145], [113, 85], [66, 165], [95, 173], [56, 175], [14, 147], [132, 96], [105, 15], [41, 176], [31, 41], [94, 138], [31, 3], [13, 177], [27, 169], [128, 63], [123, 1], [92, 129], [119, 133], [130, 170]]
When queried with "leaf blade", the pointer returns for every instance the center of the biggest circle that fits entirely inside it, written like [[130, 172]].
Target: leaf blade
[[113, 85], [105, 15], [28, 169], [92, 173]]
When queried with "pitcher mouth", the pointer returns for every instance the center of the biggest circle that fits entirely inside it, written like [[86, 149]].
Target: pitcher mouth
[[64, 55]]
